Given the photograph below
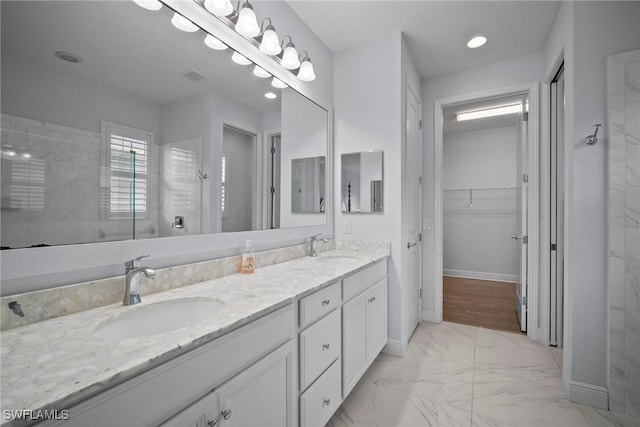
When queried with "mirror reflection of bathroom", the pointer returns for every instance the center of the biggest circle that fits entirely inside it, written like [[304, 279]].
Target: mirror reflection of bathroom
[[362, 182], [308, 185]]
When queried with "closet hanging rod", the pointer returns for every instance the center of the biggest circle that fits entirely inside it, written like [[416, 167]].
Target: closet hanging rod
[[479, 189]]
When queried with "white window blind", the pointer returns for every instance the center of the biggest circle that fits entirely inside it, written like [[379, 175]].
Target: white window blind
[[128, 155], [26, 190], [184, 179]]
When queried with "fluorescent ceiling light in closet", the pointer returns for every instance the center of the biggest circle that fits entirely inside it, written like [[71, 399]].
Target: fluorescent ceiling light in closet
[[490, 112]]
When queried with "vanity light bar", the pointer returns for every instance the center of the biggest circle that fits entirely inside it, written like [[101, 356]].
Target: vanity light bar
[[489, 112]]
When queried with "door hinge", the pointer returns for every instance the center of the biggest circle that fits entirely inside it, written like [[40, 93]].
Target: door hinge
[[525, 239], [554, 247], [273, 150], [420, 237], [524, 300], [420, 180], [273, 190], [420, 124], [525, 178], [525, 116], [419, 293]]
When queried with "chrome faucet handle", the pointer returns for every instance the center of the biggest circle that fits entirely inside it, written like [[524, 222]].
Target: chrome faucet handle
[[134, 263], [315, 236]]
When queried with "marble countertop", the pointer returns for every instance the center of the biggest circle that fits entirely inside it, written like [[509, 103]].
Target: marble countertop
[[58, 362]]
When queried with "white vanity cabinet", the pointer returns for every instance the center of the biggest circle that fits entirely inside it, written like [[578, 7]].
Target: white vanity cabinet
[[364, 322]]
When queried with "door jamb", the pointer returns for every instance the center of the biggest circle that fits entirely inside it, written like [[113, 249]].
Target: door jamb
[[533, 200]]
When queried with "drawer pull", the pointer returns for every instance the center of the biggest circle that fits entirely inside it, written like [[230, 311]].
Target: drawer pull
[[326, 402], [372, 299], [326, 302], [325, 347], [226, 414], [213, 422]]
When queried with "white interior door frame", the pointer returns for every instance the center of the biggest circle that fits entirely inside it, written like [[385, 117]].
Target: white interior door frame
[[532, 89]]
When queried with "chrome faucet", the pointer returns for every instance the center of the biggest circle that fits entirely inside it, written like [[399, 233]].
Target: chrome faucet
[[132, 270], [312, 244]]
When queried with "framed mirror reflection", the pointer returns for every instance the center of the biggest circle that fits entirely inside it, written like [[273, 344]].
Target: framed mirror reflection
[[362, 182], [118, 126]]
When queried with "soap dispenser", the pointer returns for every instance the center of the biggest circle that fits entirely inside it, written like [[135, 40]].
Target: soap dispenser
[[248, 263]]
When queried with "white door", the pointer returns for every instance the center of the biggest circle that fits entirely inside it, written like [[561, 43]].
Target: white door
[[557, 209], [413, 188], [521, 220]]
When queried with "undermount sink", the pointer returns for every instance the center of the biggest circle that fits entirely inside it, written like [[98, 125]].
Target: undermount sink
[[146, 320], [332, 259]]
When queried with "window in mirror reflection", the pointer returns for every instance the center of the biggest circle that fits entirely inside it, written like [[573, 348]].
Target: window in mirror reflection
[[362, 182]]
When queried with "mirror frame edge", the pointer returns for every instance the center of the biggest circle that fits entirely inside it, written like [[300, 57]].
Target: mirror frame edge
[[69, 264]]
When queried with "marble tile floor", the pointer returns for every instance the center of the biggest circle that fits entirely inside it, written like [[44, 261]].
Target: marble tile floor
[[459, 375]]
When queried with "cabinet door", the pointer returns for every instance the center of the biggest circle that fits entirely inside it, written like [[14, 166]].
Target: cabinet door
[[203, 413], [354, 345], [376, 299], [263, 394]]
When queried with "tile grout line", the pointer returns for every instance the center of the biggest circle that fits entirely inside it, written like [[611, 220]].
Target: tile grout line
[[473, 379]]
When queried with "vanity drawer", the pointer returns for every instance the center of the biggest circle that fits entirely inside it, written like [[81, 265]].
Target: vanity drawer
[[358, 282], [319, 346], [323, 398], [318, 304]]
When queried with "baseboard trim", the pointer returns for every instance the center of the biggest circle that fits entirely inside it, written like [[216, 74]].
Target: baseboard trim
[[584, 393], [395, 348], [430, 316], [496, 277]]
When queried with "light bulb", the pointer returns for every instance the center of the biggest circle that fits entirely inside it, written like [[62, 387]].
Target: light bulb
[[260, 72], [219, 7], [276, 82], [183, 24], [290, 59], [9, 152], [247, 24], [306, 73], [149, 4], [270, 95], [26, 155], [214, 43], [270, 44], [240, 59]]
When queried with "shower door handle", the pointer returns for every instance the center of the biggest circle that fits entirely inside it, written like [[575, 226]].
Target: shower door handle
[[410, 245], [516, 237]]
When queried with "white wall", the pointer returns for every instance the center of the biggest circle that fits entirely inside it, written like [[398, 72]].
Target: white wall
[[477, 239], [68, 264], [600, 29], [497, 75], [367, 104]]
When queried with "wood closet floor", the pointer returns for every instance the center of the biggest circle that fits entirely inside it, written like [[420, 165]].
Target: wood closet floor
[[481, 303]]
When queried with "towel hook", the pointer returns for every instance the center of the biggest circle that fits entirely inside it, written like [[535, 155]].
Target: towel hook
[[592, 139]]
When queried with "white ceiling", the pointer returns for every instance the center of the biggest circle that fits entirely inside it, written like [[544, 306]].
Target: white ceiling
[[436, 31], [127, 48]]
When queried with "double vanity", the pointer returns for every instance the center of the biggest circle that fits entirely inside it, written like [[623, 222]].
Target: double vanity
[[281, 347]]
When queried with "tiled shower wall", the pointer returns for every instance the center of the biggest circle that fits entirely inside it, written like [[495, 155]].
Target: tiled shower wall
[[52, 196], [624, 232]]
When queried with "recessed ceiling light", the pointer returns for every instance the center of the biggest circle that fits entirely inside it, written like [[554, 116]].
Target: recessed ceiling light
[[490, 112], [476, 41], [240, 59], [26, 155], [270, 95], [69, 57]]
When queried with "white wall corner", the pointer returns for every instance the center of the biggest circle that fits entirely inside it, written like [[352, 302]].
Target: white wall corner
[[430, 316], [395, 348], [584, 393]]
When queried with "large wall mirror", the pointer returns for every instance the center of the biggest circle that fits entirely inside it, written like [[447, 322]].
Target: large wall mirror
[[118, 126], [362, 182]]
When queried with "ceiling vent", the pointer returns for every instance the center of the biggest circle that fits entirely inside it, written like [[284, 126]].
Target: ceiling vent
[[193, 75]]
